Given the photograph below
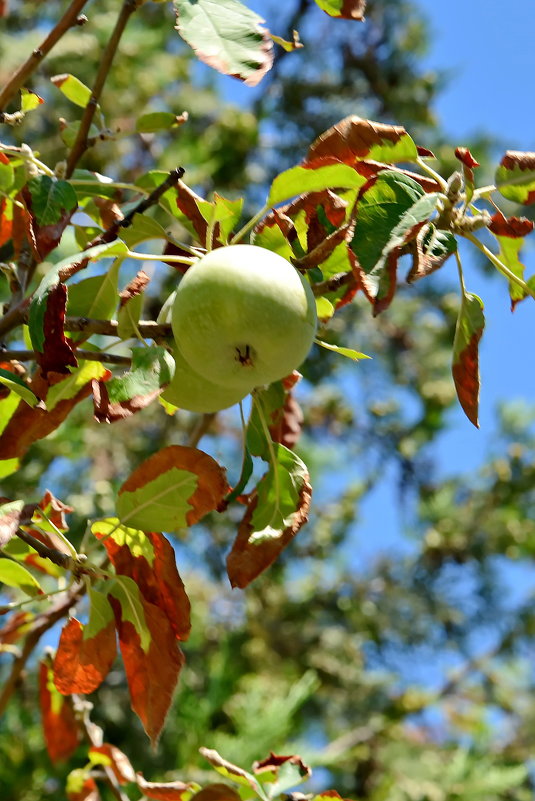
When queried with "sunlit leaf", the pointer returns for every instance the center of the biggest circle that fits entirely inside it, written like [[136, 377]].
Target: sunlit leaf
[[465, 367], [515, 177], [59, 723]]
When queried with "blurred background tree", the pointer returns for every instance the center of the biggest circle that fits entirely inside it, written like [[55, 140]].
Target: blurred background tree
[[395, 653]]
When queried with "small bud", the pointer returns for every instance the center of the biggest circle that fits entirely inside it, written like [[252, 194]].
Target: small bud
[[60, 169]]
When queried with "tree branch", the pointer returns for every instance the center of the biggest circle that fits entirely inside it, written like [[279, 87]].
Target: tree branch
[[86, 355], [19, 78], [64, 560], [147, 328], [80, 143]]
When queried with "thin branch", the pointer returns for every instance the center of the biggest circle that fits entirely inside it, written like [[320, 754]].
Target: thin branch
[[20, 77], [333, 283], [199, 429], [57, 557], [85, 355], [80, 143], [148, 328]]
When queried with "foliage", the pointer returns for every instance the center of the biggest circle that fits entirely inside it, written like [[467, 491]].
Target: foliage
[[315, 653]]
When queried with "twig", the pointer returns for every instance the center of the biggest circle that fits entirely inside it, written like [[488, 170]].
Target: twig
[[199, 429], [57, 557], [148, 328], [333, 283], [19, 78], [80, 143], [85, 355], [40, 626]]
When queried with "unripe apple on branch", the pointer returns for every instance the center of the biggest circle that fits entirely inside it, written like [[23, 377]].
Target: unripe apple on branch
[[242, 317]]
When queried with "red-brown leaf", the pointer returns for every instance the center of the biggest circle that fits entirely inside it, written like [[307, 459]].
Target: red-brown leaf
[[58, 353], [135, 287], [82, 664], [117, 761], [352, 138], [59, 723], [159, 583], [163, 791], [151, 675], [274, 761]]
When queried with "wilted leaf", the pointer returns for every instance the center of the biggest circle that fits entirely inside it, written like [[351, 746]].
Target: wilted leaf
[[515, 177], [274, 515], [468, 162], [50, 203], [86, 653], [172, 489], [217, 792], [166, 791], [282, 772], [465, 367], [347, 9], [27, 425], [295, 44], [353, 139], [59, 724], [11, 514], [149, 560], [152, 369], [510, 233], [429, 251], [227, 36], [228, 769], [54, 352], [113, 757]]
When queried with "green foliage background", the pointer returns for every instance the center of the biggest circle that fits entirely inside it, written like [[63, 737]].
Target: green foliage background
[[407, 675]]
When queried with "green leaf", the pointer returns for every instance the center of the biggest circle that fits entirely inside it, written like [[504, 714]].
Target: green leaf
[[515, 177], [128, 316], [7, 173], [324, 309], [246, 473], [100, 613], [73, 89], [278, 494], [126, 591], [346, 9], [465, 367], [173, 488], [18, 386], [29, 100], [298, 180], [266, 402], [223, 211], [95, 297], [51, 199], [152, 367], [227, 36], [71, 386], [157, 121], [349, 353], [510, 233], [15, 575]]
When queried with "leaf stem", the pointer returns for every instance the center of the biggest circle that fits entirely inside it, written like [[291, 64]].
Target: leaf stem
[[430, 171], [500, 266], [134, 254], [19, 78], [81, 144], [248, 225], [26, 155]]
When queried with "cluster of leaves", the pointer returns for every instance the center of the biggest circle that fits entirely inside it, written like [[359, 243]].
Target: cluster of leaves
[[345, 216]]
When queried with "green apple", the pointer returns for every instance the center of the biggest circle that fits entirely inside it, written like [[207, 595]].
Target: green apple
[[190, 391], [243, 316]]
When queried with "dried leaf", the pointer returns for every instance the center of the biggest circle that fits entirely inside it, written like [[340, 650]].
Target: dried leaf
[[354, 138], [113, 757], [166, 791], [465, 368]]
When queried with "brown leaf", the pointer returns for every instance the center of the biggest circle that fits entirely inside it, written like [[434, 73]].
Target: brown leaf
[[117, 761], [273, 762], [287, 422], [135, 287], [59, 723], [216, 792], [466, 377], [43, 238], [151, 675], [159, 582], [465, 157], [110, 212], [352, 138], [369, 168], [171, 249], [82, 663], [248, 559], [106, 412], [187, 203], [15, 628], [28, 424], [163, 791], [513, 227], [58, 353]]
